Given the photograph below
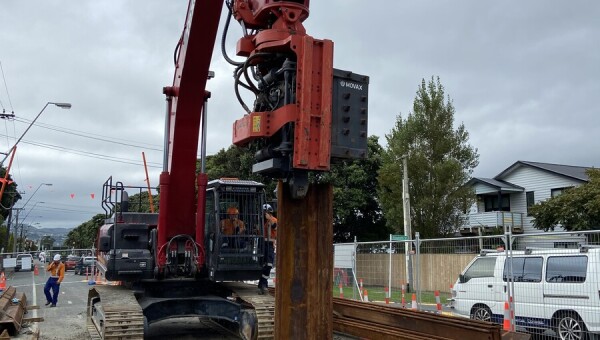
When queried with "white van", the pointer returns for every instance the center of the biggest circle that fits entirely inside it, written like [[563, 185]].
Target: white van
[[24, 262], [556, 289]]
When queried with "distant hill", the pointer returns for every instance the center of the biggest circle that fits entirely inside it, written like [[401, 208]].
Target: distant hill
[[58, 234]]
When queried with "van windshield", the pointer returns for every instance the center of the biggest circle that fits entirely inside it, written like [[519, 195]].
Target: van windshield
[[482, 267]]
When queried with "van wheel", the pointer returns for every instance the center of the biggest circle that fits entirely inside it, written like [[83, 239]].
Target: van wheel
[[481, 312], [570, 327]]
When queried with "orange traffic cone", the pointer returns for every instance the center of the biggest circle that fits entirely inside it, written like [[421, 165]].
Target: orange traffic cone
[[438, 303], [387, 296], [365, 296], [36, 270], [506, 321], [2, 282]]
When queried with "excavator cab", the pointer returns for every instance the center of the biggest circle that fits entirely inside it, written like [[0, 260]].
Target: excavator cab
[[234, 229]]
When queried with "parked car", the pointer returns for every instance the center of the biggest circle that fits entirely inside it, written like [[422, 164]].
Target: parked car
[[27, 258], [554, 289], [85, 264], [71, 262]]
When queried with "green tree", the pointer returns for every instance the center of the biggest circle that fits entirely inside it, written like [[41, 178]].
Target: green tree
[[10, 195], [440, 162], [576, 209], [84, 235], [356, 210], [3, 238], [237, 162], [47, 242], [141, 203], [11, 243]]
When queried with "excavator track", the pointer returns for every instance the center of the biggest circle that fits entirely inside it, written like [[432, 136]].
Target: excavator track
[[264, 307], [114, 313]]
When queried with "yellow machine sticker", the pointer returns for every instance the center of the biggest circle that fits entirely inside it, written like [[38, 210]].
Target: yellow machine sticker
[[256, 124]]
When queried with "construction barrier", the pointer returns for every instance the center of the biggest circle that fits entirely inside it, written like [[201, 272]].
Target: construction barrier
[[387, 296], [361, 286], [438, 304], [403, 295]]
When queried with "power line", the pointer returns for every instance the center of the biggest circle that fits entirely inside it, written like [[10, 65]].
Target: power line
[[91, 154], [7, 94], [45, 208], [84, 134]]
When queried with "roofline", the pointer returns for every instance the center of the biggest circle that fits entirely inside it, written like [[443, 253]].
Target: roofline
[[477, 179], [510, 169]]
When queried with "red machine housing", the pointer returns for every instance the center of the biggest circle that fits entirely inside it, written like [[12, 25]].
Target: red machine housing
[[311, 112]]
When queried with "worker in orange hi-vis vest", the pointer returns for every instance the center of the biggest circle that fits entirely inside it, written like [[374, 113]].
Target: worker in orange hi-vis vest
[[270, 235], [232, 225], [57, 274]]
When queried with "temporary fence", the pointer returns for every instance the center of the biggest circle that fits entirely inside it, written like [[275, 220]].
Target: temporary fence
[[550, 282]]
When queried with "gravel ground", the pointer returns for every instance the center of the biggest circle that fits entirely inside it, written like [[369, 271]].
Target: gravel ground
[[64, 324]]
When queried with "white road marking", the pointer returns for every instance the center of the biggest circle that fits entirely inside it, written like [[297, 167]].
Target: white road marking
[[34, 328], [69, 302]]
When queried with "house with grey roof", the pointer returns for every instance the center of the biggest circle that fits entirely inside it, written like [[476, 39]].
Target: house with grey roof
[[503, 201]]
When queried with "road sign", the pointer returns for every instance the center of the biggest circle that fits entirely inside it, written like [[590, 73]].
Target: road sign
[[399, 237]]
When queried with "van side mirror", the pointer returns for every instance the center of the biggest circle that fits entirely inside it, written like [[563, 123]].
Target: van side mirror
[[461, 278]]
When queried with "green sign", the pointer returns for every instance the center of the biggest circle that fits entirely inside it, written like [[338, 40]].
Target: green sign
[[399, 238]]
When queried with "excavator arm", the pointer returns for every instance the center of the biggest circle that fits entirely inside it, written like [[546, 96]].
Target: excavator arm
[[185, 100]]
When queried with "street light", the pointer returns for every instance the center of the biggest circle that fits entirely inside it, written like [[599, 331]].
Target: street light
[[36, 190], [65, 106]]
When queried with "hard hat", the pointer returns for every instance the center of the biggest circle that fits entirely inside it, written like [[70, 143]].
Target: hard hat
[[268, 208], [57, 257], [232, 211]]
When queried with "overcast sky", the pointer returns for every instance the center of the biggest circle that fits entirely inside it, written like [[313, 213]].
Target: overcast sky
[[524, 77]]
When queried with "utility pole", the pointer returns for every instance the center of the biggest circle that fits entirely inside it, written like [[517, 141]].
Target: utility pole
[[407, 226], [8, 223], [15, 238]]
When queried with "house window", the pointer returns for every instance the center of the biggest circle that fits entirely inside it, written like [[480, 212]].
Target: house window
[[530, 200], [491, 203], [558, 191], [566, 245]]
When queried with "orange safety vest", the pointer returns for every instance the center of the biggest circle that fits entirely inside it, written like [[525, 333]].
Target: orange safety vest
[[57, 271], [228, 226], [269, 222]]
